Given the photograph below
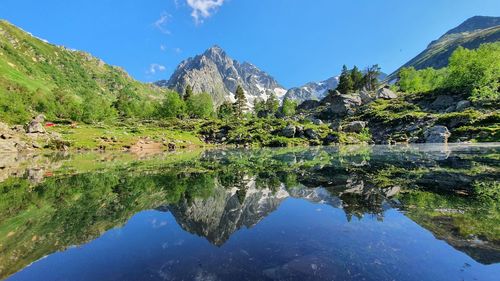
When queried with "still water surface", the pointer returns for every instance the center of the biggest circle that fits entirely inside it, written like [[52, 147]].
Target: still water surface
[[349, 213]]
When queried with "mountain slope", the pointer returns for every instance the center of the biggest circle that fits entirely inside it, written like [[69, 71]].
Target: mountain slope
[[38, 77], [470, 34], [216, 73]]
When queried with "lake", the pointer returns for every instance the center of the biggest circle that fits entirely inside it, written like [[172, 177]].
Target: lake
[[416, 212]]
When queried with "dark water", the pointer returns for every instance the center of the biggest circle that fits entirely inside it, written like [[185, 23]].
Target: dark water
[[349, 213]]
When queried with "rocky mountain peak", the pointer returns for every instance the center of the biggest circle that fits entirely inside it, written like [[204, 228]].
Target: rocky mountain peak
[[216, 73]]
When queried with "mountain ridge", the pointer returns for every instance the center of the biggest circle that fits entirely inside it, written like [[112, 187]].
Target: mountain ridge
[[216, 73], [470, 34]]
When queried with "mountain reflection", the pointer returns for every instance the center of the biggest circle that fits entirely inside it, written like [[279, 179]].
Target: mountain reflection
[[48, 204]]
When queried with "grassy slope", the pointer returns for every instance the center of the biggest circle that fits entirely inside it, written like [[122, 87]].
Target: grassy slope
[[29, 65], [437, 53]]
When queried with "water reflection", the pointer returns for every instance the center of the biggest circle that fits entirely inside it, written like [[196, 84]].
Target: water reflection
[[349, 213]]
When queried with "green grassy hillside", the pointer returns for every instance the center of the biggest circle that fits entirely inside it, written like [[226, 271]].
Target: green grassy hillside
[[38, 77], [471, 34]]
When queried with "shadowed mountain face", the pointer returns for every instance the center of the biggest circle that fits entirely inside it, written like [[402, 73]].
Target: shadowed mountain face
[[470, 34], [449, 191], [216, 73]]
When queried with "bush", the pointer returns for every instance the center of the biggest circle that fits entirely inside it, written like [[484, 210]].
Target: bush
[[200, 106], [173, 106]]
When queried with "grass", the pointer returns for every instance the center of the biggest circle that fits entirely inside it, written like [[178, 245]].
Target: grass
[[115, 137]]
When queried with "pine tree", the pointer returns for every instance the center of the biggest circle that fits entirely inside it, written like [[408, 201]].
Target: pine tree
[[345, 82], [188, 92], [241, 101], [370, 80], [357, 78], [272, 104]]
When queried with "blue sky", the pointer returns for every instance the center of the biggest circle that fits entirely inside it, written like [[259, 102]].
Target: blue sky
[[296, 41]]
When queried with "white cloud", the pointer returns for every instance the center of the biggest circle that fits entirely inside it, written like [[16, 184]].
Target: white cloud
[[163, 47], [154, 68], [161, 23], [203, 8], [178, 50]]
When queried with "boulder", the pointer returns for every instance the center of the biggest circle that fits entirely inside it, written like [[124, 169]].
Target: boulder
[[340, 105], [462, 105], [386, 93], [289, 131], [442, 102], [311, 134], [437, 134], [330, 139], [365, 96], [354, 127], [36, 125], [316, 121]]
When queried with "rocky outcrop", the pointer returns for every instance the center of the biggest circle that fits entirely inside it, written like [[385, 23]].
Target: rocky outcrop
[[338, 105], [437, 134]]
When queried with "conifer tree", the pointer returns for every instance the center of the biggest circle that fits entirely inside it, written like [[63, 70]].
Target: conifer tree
[[188, 92], [357, 78], [345, 82], [272, 104], [241, 101]]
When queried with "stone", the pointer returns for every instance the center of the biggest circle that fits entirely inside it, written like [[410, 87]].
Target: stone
[[437, 134], [36, 125], [354, 127], [317, 121], [340, 105], [289, 131], [386, 93], [331, 139], [462, 105], [442, 102], [311, 134], [365, 96]]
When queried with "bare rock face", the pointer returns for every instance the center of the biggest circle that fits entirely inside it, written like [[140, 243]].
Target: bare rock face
[[386, 93], [36, 125], [437, 134], [216, 73]]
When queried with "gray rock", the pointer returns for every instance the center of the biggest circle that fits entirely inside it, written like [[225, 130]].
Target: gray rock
[[437, 134], [462, 105], [354, 127], [365, 96], [36, 125], [386, 93], [317, 121], [442, 102], [311, 134], [340, 105], [289, 131]]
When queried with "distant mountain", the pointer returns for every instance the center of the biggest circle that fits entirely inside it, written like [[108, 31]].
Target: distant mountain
[[470, 34], [317, 90], [216, 73], [312, 90]]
